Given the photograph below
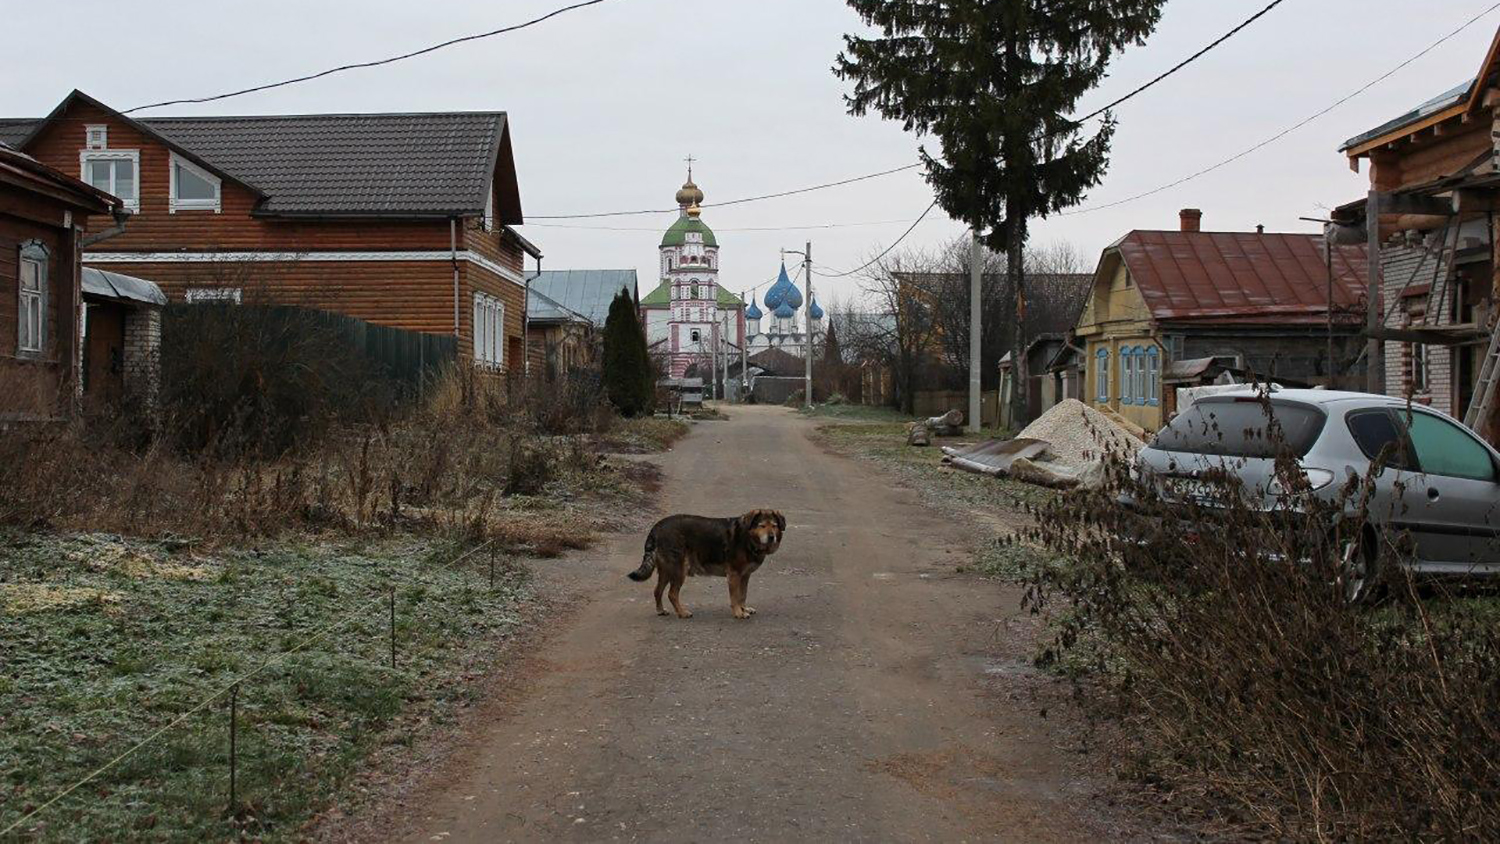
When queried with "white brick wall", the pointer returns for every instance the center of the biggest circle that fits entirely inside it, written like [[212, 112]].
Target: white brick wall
[[142, 355], [1398, 259]]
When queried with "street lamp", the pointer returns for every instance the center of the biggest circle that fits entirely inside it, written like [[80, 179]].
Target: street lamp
[[807, 391]]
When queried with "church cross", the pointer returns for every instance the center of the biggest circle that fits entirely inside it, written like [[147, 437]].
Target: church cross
[[690, 159]]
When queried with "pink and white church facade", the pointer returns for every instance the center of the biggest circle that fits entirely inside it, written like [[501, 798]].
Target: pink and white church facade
[[690, 319]]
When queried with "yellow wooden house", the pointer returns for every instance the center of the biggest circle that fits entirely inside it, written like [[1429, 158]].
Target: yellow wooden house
[[1166, 299]]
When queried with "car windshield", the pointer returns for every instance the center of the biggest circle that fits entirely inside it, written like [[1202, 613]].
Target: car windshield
[[1238, 427]]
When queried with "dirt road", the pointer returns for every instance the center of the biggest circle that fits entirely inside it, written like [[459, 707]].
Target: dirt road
[[877, 696]]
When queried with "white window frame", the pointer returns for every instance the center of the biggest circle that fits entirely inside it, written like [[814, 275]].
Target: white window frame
[[32, 252], [96, 136], [174, 204], [131, 155], [489, 331], [489, 210], [199, 295]]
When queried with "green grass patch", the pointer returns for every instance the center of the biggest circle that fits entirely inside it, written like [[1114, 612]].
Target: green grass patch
[[856, 412], [922, 467], [103, 641]]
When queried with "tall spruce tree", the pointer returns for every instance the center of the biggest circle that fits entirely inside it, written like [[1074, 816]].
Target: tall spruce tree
[[833, 355], [995, 81], [627, 361]]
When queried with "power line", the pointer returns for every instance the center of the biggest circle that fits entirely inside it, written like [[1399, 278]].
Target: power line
[[1290, 129], [376, 63], [742, 201], [888, 249], [1179, 66], [1184, 63], [718, 229]]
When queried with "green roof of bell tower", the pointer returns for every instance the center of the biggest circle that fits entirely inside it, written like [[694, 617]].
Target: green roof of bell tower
[[677, 234]]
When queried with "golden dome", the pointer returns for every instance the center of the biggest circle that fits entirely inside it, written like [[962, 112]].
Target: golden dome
[[689, 194], [693, 210]]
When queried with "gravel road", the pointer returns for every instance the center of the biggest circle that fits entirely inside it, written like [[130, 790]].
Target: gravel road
[[878, 695]]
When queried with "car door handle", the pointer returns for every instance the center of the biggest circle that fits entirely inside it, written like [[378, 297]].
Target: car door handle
[[1432, 493]]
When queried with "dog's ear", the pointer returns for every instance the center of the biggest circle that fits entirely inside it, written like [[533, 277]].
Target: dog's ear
[[780, 520]]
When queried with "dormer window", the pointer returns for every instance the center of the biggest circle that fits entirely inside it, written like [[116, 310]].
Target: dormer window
[[97, 137], [192, 187], [116, 172]]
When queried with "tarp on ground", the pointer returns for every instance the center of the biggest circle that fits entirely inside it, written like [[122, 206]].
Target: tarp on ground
[[993, 457]]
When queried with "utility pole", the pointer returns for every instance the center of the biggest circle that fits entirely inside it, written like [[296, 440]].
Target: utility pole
[[1374, 362], [976, 258], [744, 363], [807, 317]]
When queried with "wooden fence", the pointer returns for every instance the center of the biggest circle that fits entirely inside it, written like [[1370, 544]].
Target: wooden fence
[[403, 357]]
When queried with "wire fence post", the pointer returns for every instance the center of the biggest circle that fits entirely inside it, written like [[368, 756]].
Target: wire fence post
[[393, 627], [234, 705], [492, 568]]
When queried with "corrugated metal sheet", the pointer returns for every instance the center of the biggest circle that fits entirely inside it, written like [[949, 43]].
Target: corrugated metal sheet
[[542, 308], [1241, 277], [587, 292], [120, 286]]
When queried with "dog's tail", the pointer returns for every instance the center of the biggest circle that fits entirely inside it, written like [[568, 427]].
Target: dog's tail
[[648, 560]]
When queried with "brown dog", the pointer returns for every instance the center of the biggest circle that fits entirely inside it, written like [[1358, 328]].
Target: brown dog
[[679, 547]]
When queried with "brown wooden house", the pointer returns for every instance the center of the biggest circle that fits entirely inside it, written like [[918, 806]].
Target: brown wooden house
[[42, 225], [398, 219], [1434, 191]]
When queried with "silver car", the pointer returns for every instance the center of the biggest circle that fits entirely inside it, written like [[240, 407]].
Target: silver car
[[1430, 479]]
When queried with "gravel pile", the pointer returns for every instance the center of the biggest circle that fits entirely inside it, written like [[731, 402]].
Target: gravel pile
[[1078, 435]]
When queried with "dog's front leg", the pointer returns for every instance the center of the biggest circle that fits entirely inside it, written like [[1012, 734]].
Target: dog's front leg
[[745, 594], [737, 595]]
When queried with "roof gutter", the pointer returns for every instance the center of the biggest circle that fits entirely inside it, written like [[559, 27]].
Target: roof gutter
[[526, 317], [453, 253], [121, 218]]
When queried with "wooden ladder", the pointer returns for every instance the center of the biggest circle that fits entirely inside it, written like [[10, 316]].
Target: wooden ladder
[[1484, 388]]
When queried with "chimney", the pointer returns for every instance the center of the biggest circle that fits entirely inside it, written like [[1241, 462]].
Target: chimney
[[1260, 229], [1190, 218]]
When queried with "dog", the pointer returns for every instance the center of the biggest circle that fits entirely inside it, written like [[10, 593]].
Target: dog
[[682, 546]]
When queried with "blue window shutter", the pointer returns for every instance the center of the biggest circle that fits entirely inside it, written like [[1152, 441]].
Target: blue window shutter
[[1101, 375], [1154, 368], [1127, 394]]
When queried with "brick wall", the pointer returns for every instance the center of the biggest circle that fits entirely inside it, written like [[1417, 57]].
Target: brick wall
[[1399, 259], [141, 357]]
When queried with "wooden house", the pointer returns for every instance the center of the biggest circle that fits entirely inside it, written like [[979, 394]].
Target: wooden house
[[566, 316], [398, 219], [1434, 190], [43, 219], [1260, 298]]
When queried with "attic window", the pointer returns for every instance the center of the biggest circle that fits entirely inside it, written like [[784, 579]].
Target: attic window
[[192, 188], [115, 172], [97, 136]]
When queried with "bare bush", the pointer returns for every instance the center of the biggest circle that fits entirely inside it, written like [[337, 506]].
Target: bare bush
[[1221, 634]]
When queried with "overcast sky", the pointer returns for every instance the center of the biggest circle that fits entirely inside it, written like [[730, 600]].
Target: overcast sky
[[605, 102]]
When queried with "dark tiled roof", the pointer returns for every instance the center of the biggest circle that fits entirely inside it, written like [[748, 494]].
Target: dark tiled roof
[[1241, 277], [588, 292], [358, 164], [351, 163], [13, 130]]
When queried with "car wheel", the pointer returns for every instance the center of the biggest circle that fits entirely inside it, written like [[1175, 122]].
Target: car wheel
[[1359, 569]]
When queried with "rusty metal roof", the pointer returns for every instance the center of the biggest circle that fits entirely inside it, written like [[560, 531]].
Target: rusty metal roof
[[1241, 277]]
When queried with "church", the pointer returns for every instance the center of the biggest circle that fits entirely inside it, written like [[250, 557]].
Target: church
[[692, 320], [779, 326]]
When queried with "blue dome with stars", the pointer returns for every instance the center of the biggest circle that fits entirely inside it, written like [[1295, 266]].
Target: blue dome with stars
[[815, 310], [753, 312], [783, 292]]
